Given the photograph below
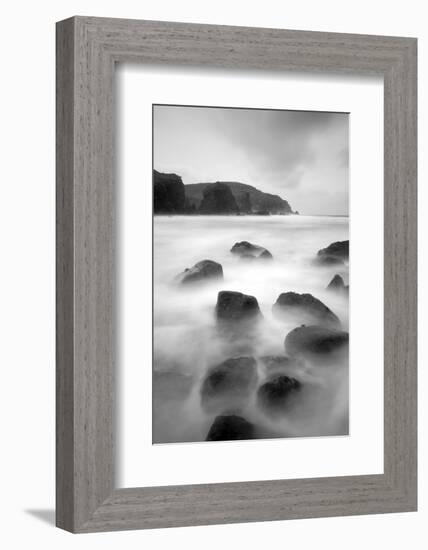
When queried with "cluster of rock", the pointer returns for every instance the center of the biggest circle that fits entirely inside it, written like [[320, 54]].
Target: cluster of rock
[[336, 253], [171, 196], [209, 270], [228, 385]]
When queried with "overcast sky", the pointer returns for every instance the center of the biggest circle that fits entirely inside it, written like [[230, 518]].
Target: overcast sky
[[301, 156]]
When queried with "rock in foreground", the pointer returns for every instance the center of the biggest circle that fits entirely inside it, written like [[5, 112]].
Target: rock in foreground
[[335, 253], [230, 428], [308, 340], [305, 306], [229, 381], [235, 307], [201, 271], [247, 250], [276, 395]]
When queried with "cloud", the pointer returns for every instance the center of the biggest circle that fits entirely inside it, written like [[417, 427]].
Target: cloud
[[281, 152]]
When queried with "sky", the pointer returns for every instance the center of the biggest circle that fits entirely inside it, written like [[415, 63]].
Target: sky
[[302, 156]]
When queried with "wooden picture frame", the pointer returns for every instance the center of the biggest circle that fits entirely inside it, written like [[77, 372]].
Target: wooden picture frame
[[87, 50]]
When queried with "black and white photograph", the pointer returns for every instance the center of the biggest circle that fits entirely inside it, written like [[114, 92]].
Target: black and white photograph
[[210, 332], [250, 274]]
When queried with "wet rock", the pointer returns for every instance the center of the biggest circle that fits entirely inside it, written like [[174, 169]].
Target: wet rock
[[336, 284], [339, 249], [315, 340], [247, 250], [306, 307], [276, 395], [266, 255], [229, 428], [335, 253], [229, 382], [201, 271], [235, 307], [238, 319]]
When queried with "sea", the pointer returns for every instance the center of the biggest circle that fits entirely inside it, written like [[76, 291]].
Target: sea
[[186, 340]]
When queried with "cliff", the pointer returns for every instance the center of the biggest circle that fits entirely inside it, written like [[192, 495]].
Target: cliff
[[217, 198], [171, 196], [248, 198], [168, 194]]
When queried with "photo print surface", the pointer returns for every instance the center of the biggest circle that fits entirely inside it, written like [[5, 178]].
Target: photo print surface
[[250, 274]]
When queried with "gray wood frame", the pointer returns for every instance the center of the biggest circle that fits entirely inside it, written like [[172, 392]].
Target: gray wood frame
[[87, 50]]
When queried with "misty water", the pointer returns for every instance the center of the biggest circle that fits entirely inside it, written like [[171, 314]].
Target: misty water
[[187, 342]]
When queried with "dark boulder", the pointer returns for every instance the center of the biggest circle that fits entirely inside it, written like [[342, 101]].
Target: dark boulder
[[218, 199], [315, 340], [201, 271], [335, 253], [306, 307], [230, 428], [337, 284], [276, 395], [247, 250], [235, 307], [229, 382], [168, 194], [266, 254]]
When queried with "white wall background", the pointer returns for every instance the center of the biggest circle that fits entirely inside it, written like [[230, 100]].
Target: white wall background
[[27, 272]]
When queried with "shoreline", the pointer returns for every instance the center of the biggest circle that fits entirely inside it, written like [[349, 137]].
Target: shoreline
[[250, 215]]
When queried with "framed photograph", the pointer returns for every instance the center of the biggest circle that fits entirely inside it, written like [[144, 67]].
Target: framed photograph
[[236, 274]]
